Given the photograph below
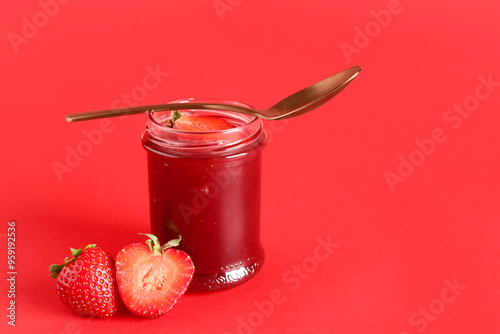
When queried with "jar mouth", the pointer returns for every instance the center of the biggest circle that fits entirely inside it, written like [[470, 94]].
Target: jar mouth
[[158, 118], [246, 128]]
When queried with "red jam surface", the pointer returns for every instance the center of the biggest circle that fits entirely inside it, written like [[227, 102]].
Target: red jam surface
[[206, 187]]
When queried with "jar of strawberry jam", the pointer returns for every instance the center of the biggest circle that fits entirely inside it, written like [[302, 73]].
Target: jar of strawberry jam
[[205, 186]]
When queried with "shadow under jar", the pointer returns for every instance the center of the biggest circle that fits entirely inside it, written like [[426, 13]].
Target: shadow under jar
[[205, 186]]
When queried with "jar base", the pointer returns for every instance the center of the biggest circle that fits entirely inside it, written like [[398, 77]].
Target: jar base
[[225, 280]]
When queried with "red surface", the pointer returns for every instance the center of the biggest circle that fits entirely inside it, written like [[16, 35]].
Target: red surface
[[393, 252]]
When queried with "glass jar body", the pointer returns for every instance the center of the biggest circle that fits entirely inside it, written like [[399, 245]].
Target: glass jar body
[[206, 187]]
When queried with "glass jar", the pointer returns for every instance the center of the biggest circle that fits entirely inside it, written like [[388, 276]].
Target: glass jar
[[205, 186]]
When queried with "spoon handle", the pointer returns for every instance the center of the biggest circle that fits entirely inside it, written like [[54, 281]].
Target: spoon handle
[[96, 114]]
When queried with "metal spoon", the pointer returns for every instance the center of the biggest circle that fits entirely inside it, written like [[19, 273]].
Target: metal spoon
[[297, 104]]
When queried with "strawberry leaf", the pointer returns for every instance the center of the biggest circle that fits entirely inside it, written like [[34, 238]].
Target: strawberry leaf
[[171, 243], [154, 247], [55, 269]]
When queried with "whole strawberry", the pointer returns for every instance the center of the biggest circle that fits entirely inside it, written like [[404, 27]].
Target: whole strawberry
[[86, 283], [152, 277]]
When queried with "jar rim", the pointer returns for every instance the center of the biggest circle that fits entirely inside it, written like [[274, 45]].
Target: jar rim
[[249, 119], [248, 129]]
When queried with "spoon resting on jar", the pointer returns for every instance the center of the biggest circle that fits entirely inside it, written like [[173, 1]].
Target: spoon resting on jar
[[294, 105]]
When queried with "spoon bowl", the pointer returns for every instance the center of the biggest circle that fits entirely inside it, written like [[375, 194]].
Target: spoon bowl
[[294, 105]]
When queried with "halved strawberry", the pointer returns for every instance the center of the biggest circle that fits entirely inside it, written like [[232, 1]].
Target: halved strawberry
[[202, 123], [86, 282], [151, 278]]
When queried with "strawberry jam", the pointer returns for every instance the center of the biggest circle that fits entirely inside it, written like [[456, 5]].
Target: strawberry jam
[[205, 186]]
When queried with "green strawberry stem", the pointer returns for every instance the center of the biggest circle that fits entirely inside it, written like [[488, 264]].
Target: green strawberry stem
[[174, 115], [55, 269], [154, 247]]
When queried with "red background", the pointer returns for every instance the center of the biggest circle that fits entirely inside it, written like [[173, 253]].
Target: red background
[[398, 248]]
